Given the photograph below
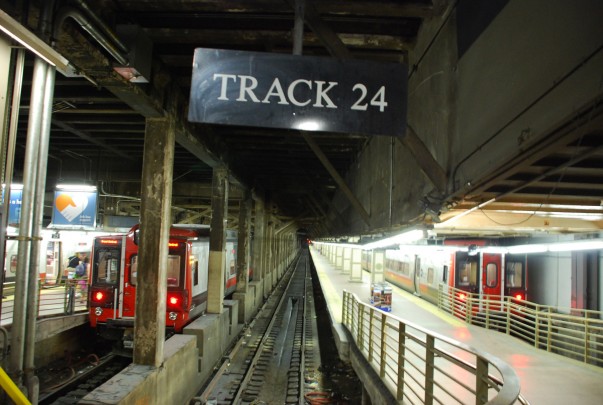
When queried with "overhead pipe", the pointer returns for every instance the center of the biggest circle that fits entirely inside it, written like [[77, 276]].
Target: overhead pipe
[[100, 23], [77, 16]]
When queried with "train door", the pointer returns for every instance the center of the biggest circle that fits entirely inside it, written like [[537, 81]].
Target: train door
[[466, 272], [516, 276], [491, 284], [491, 269], [417, 278], [230, 264]]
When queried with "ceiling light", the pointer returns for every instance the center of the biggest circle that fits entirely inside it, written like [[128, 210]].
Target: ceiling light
[[400, 239], [76, 187]]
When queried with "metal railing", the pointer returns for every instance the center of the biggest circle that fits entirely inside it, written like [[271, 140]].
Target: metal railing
[[66, 298], [420, 366], [574, 333]]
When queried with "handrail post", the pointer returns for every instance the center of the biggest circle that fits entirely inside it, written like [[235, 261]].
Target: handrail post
[[481, 381], [359, 337], [508, 326], [401, 354], [429, 367], [586, 338], [370, 344], [549, 331], [344, 311], [382, 354]]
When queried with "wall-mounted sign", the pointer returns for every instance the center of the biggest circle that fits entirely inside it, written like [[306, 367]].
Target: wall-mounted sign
[[298, 92], [14, 207], [74, 209]]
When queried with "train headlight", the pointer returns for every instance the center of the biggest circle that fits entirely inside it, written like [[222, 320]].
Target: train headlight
[[172, 316], [98, 311]]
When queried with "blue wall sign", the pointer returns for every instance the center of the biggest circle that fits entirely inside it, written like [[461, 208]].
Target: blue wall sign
[[298, 92], [14, 207], [74, 209]]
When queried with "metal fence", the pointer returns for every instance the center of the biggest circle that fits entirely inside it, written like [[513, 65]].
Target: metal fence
[[422, 367], [65, 298], [573, 333]]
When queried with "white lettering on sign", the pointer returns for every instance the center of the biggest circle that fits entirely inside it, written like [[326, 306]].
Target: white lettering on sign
[[247, 86]]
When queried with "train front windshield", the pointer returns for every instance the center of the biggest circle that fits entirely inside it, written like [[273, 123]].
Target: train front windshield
[[515, 271], [106, 264]]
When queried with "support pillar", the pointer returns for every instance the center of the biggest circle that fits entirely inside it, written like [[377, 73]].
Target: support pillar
[[244, 243], [217, 241], [356, 266], [155, 222], [378, 264], [259, 229]]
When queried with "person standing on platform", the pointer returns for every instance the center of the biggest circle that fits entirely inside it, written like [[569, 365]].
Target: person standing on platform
[[81, 275]]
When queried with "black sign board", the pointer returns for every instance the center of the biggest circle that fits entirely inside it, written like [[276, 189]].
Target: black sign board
[[298, 92]]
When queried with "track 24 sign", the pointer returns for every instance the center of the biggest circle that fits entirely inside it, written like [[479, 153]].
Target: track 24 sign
[[298, 92]]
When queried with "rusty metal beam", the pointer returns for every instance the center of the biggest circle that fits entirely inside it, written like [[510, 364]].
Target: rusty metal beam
[[425, 159], [340, 182]]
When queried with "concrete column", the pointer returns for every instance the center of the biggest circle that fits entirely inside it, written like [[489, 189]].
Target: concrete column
[[377, 267], [347, 260], [339, 257], [217, 241], [356, 266], [244, 242], [155, 222], [258, 239], [272, 252]]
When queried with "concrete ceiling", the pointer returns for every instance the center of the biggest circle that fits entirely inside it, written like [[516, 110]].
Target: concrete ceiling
[[99, 120]]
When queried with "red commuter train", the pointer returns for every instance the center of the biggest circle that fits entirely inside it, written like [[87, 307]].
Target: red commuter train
[[113, 279]]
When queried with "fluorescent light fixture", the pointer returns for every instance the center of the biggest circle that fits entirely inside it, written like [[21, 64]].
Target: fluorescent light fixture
[[593, 244], [400, 239], [309, 125], [14, 186], [29, 40], [576, 245], [75, 187], [534, 248]]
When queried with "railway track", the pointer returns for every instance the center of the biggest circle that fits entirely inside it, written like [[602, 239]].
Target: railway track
[[69, 384], [277, 353]]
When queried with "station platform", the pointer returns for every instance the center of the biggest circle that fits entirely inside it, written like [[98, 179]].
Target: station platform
[[545, 378]]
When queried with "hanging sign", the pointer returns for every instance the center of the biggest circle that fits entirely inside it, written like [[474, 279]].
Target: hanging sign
[[74, 209], [298, 92]]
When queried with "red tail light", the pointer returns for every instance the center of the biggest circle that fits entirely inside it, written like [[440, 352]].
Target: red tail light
[[519, 297], [101, 297], [462, 296], [176, 301]]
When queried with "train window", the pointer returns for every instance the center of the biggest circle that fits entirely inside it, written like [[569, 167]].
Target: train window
[[445, 274], [467, 274], [196, 272], [514, 274], [133, 269], [430, 275], [107, 265], [491, 275], [405, 268], [173, 270]]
